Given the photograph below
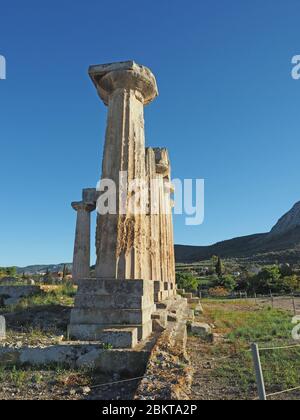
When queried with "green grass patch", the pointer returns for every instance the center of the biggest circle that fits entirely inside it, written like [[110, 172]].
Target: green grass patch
[[244, 323], [62, 295]]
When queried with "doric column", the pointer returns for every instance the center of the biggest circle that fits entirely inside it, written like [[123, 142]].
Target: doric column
[[154, 217], [81, 258], [125, 88], [166, 238]]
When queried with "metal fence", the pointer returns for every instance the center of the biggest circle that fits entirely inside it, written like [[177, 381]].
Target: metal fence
[[271, 299], [263, 396]]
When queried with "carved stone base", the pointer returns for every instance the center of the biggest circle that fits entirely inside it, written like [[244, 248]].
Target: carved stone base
[[114, 305], [164, 291]]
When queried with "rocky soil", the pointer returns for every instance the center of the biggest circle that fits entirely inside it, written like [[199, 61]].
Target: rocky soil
[[61, 384]]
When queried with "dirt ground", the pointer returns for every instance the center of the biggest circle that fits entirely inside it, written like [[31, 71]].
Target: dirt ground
[[207, 385], [67, 385], [285, 303], [44, 325]]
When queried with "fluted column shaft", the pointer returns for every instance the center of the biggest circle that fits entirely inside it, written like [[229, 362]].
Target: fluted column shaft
[[81, 256], [121, 239]]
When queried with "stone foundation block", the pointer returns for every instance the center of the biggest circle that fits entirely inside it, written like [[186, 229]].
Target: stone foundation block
[[157, 326], [109, 287], [111, 316], [161, 316], [161, 296], [93, 332], [194, 300], [199, 310], [172, 318], [164, 291], [187, 295], [117, 301], [202, 330], [105, 304], [126, 338], [128, 363]]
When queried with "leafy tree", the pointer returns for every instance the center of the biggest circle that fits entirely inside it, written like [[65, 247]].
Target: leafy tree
[[187, 282], [11, 271], [214, 260], [227, 282], [268, 279], [291, 283], [219, 267], [246, 282], [286, 270]]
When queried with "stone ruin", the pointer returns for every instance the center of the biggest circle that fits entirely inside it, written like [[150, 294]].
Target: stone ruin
[[135, 268], [128, 315]]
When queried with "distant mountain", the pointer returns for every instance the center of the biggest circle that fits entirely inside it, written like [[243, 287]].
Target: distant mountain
[[289, 221], [39, 269], [282, 244]]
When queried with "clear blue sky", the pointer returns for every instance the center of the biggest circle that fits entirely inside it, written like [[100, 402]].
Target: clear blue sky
[[228, 111]]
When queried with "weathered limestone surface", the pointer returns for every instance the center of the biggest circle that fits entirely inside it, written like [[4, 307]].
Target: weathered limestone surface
[[102, 304], [126, 362], [202, 330], [81, 259], [122, 252], [160, 238], [168, 367], [125, 338], [198, 310]]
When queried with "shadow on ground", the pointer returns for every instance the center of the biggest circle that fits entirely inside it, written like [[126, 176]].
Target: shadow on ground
[[46, 318]]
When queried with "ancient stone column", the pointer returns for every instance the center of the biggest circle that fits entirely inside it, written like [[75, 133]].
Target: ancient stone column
[[153, 218], [122, 252], [81, 257], [160, 223], [116, 306]]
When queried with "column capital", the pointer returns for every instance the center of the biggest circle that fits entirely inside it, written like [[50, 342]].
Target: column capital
[[80, 205], [124, 75]]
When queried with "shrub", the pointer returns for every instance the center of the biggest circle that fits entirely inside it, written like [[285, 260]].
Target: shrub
[[187, 282], [227, 282]]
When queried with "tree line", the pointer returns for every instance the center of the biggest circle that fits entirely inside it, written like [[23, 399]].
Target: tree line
[[281, 279]]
